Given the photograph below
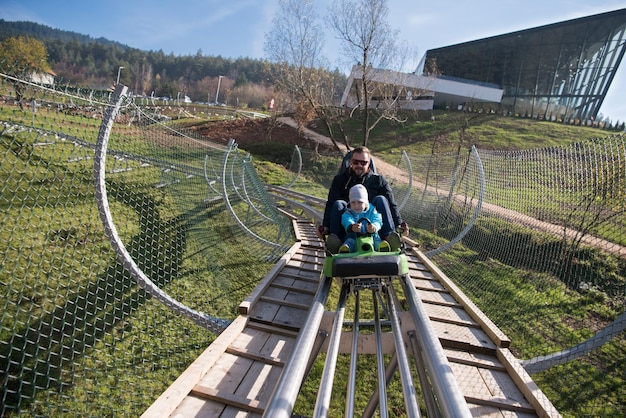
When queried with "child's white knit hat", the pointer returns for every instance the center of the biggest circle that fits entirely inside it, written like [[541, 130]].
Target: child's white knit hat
[[358, 193]]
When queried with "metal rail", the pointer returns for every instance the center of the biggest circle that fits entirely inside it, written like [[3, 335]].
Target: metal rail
[[438, 386], [288, 386], [445, 387], [213, 324]]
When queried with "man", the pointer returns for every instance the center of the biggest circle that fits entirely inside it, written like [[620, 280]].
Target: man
[[380, 194]]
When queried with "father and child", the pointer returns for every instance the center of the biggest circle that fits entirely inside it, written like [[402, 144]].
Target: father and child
[[347, 203]]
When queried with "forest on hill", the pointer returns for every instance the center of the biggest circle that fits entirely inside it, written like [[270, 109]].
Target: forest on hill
[[85, 61]]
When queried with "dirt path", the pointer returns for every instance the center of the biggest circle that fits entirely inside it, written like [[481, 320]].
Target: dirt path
[[309, 134]]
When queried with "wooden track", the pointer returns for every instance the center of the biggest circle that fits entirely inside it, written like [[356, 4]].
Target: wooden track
[[236, 374]]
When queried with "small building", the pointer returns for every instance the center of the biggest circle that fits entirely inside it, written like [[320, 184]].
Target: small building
[[412, 91], [44, 78]]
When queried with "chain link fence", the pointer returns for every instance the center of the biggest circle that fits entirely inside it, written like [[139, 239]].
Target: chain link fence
[[93, 329], [546, 261]]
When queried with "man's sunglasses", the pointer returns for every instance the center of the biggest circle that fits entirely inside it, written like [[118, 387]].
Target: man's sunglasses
[[360, 162]]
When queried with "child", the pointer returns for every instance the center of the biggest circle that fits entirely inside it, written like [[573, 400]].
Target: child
[[360, 208]]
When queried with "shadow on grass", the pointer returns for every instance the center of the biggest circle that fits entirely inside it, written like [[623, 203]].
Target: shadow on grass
[[37, 354]]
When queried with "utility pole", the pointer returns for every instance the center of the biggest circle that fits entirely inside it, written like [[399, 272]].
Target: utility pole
[[119, 70], [219, 81]]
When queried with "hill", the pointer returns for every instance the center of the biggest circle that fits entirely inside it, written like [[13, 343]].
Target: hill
[[46, 33]]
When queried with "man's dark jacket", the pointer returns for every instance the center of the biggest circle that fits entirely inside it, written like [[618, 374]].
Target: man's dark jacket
[[375, 184]]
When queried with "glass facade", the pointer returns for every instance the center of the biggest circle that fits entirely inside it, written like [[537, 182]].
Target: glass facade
[[559, 71]]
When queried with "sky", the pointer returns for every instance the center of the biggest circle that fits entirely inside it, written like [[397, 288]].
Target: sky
[[237, 28]]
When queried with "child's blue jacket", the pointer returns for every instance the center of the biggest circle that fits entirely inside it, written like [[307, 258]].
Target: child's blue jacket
[[350, 217]]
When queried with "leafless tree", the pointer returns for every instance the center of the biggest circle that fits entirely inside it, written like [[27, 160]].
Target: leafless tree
[[294, 47], [368, 40]]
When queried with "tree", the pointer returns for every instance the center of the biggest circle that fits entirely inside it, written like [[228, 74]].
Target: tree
[[368, 40], [26, 56], [294, 47]]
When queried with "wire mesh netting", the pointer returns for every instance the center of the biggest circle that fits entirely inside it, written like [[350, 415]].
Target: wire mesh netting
[[546, 261], [78, 334], [535, 238]]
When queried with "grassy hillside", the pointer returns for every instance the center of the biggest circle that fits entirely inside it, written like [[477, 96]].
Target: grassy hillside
[[439, 131]]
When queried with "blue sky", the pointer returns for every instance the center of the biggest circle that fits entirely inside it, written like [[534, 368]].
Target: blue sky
[[237, 28]]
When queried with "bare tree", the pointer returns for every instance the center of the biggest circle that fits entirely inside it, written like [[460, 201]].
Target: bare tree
[[294, 47], [368, 40]]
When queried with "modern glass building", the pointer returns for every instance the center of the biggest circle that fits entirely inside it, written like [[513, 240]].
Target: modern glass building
[[560, 71]]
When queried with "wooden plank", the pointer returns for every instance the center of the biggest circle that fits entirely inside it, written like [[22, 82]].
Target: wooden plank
[[302, 273], [449, 314], [306, 286], [524, 382], [302, 265], [296, 229], [311, 242], [297, 279], [285, 279], [273, 329], [239, 402], [415, 264], [227, 373], [440, 298], [484, 411], [427, 284], [313, 252], [488, 326], [479, 360], [246, 305], [420, 274], [265, 344], [502, 404], [272, 361], [278, 346], [463, 338], [280, 312], [315, 258], [264, 312], [303, 299], [470, 381], [193, 406], [284, 302], [290, 317], [274, 293], [479, 386], [259, 382], [250, 339], [176, 392], [309, 291], [504, 391]]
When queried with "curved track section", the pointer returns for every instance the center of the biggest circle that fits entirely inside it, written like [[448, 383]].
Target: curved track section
[[213, 324]]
